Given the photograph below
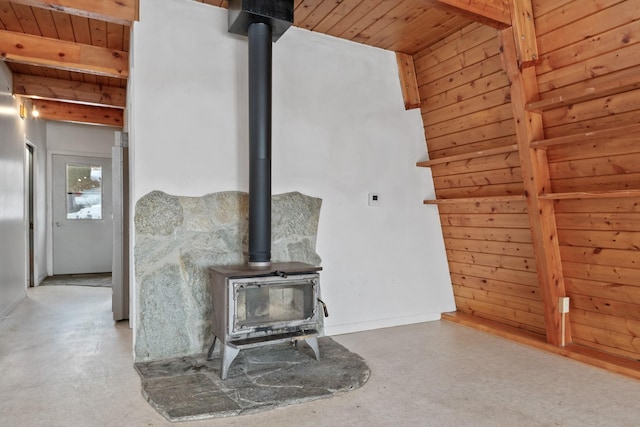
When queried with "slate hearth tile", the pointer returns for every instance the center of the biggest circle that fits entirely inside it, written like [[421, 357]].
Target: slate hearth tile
[[281, 353], [188, 397], [167, 368], [320, 376], [281, 394], [263, 378]]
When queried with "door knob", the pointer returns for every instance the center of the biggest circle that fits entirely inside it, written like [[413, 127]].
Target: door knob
[[58, 224]]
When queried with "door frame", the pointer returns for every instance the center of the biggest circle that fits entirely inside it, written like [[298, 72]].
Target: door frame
[[31, 173], [121, 300], [50, 154]]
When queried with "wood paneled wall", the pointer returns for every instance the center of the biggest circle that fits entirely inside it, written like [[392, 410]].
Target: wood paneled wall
[[588, 76], [468, 122], [591, 60]]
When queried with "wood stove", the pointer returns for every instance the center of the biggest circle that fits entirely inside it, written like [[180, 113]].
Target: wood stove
[[261, 303], [255, 307]]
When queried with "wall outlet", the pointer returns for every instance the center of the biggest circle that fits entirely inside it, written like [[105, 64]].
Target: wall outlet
[[564, 304], [374, 199]]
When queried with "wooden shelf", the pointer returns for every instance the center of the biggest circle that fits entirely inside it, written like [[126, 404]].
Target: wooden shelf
[[590, 195], [581, 137], [484, 153], [550, 196], [605, 89], [487, 199]]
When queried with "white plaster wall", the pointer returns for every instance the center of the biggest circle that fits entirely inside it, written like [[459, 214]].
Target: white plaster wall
[[13, 222], [73, 138], [340, 131]]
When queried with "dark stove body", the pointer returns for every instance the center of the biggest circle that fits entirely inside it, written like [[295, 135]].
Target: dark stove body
[[260, 306]]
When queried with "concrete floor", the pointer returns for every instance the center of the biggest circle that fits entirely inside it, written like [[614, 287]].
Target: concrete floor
[[64, 363]]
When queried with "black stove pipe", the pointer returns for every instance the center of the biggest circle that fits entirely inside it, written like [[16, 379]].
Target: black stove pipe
[[260, 55]]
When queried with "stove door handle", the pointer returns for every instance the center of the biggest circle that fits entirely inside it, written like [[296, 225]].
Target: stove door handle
[[324, 308]]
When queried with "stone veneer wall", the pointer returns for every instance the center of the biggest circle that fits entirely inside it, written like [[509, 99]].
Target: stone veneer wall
[[178, 238]]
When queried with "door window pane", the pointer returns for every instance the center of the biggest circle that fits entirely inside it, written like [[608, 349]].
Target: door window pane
[[84, 192]]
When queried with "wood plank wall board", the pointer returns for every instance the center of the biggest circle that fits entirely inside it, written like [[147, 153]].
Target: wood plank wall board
[[470, 121], [597, 183], [490, 260], [592, 110], [473, 35], [523, 235], [606, 291], [520, 319], [628, 240], [478, 164], [599, 42], [507, 301], [614, 205], [481, 138], [495, 286], [498, 176], [464, 106], [466, 92], [494, 141], [585, 19], [454, 64], [593, 167], [601, 147], [588, 48]]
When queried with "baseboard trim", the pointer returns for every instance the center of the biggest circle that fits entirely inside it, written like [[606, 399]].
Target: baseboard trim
[[4, 313], [349, 328], [611, 363]]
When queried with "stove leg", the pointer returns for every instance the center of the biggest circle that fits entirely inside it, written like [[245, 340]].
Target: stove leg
[[313, 343], [228, 354], [213, 346]]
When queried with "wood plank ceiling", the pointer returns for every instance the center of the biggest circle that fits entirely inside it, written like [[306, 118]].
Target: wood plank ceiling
[[73, 63], [71, 56]]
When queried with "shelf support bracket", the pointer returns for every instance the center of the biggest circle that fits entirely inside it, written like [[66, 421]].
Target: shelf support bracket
[[535, 174]]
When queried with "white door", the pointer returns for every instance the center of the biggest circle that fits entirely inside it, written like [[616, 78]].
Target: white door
[[82, 223]]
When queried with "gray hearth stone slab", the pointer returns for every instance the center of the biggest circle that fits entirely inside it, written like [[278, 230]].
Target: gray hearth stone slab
[[179, 238], [263, 378]]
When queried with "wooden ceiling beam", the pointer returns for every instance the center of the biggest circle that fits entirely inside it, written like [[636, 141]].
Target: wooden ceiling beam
[[42, 51], [524, 32], [122, 12], [78, 113], [494, 13], [408, 82], [68, 90]]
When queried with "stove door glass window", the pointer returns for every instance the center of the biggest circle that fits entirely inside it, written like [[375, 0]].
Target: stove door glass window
[[260, 305]]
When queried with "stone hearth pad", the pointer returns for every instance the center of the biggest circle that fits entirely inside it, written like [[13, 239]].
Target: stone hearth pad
[[263, 378]]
